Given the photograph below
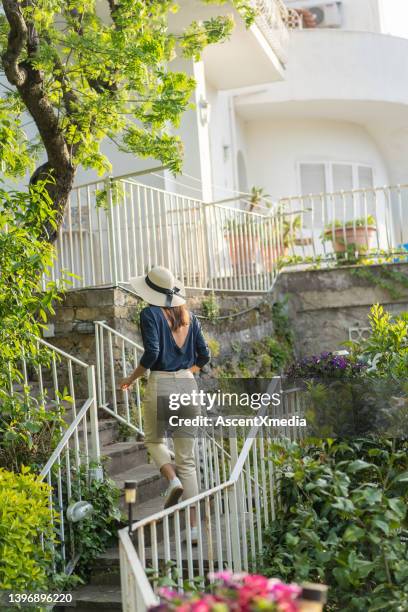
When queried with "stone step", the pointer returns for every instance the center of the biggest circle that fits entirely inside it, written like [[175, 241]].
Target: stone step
[[150, 483], [122, 456], [93, 597], [108, 432], [105, 570]]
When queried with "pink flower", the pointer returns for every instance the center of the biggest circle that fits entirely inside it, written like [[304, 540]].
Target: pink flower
[[285, 595], [259, 584], [201, 606], [224, 576], [167, 593]]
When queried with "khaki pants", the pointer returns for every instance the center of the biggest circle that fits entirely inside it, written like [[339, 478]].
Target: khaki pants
[[159, 387]]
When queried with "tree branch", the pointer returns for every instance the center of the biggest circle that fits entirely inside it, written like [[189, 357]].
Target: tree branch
[[17, 39]]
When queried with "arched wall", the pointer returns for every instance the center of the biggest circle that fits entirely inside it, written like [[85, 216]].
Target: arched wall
[[276, 147]]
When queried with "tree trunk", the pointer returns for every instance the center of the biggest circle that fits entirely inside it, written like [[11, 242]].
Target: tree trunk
[[59, 170], [59, 183]]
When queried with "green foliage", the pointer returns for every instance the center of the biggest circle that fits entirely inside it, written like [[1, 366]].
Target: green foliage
[[214, 347], [28, 431], [24, 257], [275, 357], [343, 521], [211, 308], [368, 221], [17, 153], [140, 304], [24, 515], [386, 278], [281, 323], [106, 77], [386, 349], [97, 532]]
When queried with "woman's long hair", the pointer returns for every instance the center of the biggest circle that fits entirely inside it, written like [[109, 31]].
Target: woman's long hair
[[178, 316]]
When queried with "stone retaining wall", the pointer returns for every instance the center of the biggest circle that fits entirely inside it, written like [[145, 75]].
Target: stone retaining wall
[[325, 304], [322, 305]]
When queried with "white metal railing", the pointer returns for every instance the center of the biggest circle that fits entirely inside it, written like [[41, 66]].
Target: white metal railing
[[53, 379], [230, 518], [275, 19], [119, 229], [366, 222], [70, 468], [116, 357]]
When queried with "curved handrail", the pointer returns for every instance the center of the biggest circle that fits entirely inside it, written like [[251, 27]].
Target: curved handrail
[[135, 586], [62, 353]]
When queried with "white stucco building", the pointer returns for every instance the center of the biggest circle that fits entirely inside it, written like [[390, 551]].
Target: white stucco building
[[294, 111], [325, 110]]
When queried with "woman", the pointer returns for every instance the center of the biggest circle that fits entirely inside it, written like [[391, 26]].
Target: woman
[[174, 348]]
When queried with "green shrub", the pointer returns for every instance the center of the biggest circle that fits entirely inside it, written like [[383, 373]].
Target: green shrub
[[28, 431], [386, 349], [24, 516], [211, 308], [97, 532], [214, 347], [343, 521]]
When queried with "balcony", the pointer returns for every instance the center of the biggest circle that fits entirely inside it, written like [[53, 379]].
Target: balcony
[[121, 228], [251, 56]]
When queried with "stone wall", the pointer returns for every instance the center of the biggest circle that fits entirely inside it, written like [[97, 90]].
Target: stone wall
[[322, 306], [325, 304], [72, 328]]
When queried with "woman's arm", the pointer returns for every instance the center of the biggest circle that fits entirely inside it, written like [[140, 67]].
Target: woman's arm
[[151, 343], [127, 382]]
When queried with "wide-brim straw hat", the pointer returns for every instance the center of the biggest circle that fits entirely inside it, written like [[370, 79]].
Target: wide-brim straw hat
[[159, 288]]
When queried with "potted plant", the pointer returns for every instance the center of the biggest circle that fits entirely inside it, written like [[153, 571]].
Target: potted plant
[[273, 248], [242, 235], [358, 234], [243, 244]]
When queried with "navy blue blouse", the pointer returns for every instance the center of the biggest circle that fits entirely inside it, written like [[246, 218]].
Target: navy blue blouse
[[161, 350]]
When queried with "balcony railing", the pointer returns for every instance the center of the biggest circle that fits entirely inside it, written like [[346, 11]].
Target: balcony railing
[[275, 20], [121, 228], [360, 223]]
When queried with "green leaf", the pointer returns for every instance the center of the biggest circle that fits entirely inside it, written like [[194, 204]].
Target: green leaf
[[353, 534], [357, 465], [382, 525]]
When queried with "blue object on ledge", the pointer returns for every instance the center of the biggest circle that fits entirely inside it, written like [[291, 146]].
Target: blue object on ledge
[[402, 259]]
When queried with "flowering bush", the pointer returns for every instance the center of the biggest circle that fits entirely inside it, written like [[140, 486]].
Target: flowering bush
[[235, 592], [326, 365]]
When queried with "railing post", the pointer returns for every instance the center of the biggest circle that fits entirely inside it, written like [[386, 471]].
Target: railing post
[[235, 524], [235, 506], [233, 446], [96, 471], [113, 254]]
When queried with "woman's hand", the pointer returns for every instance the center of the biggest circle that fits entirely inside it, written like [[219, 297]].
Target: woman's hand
[[126, 383]]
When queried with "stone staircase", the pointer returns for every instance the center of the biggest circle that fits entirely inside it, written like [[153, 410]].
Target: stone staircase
[[129, 461], [125, 460]]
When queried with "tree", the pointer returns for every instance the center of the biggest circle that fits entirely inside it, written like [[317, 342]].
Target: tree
[[24, 258], [86, 70]]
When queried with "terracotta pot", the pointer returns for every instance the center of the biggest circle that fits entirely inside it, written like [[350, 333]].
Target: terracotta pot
[[362, 238], [271, 254], [243, 249]]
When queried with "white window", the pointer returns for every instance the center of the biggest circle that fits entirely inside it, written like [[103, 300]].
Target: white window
[[334, 178]]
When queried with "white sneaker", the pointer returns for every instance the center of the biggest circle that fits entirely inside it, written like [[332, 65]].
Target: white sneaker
[[194, 535], [173, 493]]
